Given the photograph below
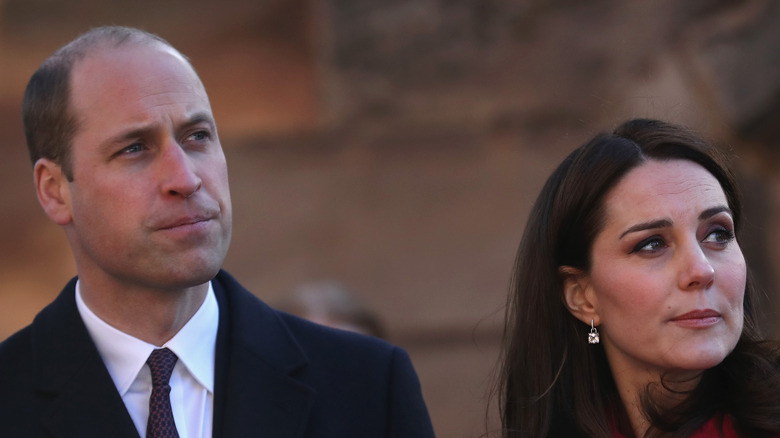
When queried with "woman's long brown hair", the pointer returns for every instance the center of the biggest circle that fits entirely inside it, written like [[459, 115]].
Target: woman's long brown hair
[[552, 382]]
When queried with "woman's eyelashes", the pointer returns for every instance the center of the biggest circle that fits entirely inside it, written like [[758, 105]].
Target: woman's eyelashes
[[649, 245], [718, 235]]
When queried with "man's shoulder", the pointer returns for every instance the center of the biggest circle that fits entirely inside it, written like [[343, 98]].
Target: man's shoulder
[[16, 367], [316, 334], [48, 323], [354, 385], [250, 306], [318, 343], [324, 344], [15, 347]]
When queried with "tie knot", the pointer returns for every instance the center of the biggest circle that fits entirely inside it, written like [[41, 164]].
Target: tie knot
[[161, 363]]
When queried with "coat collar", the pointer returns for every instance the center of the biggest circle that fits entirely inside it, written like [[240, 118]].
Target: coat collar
[[258, 365], [75, 393], [257, 391]]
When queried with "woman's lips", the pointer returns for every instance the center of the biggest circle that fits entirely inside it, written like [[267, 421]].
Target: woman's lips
[[698, 318]]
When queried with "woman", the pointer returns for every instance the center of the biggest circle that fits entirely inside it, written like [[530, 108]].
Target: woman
[[631, 309]]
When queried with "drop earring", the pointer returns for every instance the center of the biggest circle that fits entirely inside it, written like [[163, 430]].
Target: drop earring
[[593, 336]]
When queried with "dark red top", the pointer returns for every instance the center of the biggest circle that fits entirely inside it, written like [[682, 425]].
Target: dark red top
[[711, 429]]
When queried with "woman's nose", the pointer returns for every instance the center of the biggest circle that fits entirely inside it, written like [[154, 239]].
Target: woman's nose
[[696, 271]]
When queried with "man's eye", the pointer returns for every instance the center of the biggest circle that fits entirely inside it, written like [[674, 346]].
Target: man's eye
[[133, 148], [200, 136]]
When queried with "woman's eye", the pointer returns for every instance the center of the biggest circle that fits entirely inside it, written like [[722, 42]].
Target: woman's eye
[[651, 244], [721, 235]]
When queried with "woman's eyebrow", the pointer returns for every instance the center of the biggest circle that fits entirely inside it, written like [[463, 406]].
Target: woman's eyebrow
[[650, 225], [661, 223], [710, 212]]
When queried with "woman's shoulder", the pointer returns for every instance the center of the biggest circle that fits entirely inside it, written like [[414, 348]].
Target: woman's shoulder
[[718, 426]]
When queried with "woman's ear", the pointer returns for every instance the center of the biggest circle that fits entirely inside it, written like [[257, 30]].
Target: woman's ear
[[578, 294], [52, 189]]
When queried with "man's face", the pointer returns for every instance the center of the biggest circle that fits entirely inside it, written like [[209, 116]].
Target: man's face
[[149, 201]]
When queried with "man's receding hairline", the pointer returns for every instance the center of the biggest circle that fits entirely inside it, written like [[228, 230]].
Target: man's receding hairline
[[100, 49], [111, 38], [108, 46]]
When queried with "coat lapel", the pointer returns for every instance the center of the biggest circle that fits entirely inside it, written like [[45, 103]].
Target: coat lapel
[[74, 392], [256, 392]]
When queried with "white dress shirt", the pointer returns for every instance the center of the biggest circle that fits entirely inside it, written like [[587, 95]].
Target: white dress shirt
[[192, 381]]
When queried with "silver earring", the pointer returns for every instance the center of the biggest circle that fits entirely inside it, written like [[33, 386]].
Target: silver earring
[[593, 336]]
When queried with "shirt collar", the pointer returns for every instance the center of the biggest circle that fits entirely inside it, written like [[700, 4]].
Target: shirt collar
[[125, 355], [196, 342]]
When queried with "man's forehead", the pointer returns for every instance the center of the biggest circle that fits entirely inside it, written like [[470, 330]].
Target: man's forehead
[[132, 88], [149, 67], [112, 59]]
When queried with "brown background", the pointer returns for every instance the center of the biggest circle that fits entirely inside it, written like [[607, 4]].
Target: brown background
[[397, 146]]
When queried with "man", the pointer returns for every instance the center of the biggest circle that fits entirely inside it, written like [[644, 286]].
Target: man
[[152, 338]]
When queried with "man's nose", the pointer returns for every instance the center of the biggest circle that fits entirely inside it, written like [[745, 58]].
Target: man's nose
[[178, 171]]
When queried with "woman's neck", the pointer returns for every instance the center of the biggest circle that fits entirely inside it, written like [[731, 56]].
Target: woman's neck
[[665, 392]]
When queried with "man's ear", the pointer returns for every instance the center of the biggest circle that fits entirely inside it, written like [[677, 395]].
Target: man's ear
[[578, 295], [53, 191]]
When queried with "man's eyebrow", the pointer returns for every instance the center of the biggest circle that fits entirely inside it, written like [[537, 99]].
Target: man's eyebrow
[[125, 136], [142, 131], [201, 117], [650, 225]]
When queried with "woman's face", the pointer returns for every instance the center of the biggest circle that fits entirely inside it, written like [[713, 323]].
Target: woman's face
[[668, 278]]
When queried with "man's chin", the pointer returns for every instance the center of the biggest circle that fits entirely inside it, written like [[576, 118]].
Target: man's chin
[[184, 275]]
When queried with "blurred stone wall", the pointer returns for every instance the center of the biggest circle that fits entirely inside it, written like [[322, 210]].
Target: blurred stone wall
[[396, 147]]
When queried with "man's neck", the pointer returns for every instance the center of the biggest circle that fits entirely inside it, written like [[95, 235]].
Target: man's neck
[[151, 315]]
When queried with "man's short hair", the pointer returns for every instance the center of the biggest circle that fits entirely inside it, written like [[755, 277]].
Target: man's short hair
[[49, 121]]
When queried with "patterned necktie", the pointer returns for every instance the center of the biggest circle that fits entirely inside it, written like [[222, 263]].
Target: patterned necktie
[[161, 424]]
